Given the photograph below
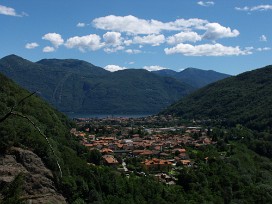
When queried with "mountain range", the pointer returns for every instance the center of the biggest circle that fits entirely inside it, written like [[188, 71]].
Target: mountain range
[[195, 77], [243, 99], [77, 86]]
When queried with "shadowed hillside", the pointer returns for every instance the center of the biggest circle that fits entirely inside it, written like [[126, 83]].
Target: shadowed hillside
[[244, 99], [80, 87]]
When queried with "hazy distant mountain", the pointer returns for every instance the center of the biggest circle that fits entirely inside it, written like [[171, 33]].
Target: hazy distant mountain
[[78, 86], [244, 99], [194, 77]]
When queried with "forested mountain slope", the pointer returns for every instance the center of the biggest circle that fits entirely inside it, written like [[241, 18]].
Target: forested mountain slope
[[77, 86], [244, 99]]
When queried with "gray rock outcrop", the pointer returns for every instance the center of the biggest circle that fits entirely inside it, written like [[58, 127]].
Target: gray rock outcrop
[[38, 184]]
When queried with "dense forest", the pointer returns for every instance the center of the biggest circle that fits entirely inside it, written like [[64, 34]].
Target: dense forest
[[243, 99]]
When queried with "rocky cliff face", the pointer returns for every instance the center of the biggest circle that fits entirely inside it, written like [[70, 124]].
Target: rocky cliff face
[[38, 184]]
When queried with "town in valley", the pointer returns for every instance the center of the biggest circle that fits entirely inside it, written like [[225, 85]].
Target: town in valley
[[155, 145]]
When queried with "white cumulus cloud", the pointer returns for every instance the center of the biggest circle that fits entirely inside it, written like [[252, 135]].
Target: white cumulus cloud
[[48, 49], [263, 49], [91, 42], [205, 3], [128, 42], [133, 51], [207, 50], [125, 33], [255, 8], [114, 68], [113, 49], [136, 27], [31, 45], [183, 37], [216, 31], [81, 25], [133, 25], [112, 38], [8, 11], [154, 40], [263, 38], [129, 24], [154, 68], [54, 38], [187, 24], [246, 8]]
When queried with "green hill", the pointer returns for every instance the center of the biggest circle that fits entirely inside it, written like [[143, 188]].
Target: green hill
[[77, 86], [244, 99]]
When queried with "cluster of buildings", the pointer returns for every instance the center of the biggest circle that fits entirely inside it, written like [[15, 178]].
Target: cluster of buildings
[[160, 149]]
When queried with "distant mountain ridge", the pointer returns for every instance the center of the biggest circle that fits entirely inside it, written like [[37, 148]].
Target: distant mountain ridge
[[78, 86], [244, 99], [195, 77]]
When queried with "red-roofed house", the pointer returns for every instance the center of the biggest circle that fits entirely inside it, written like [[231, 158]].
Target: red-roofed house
[[110, 160], [157, 165]]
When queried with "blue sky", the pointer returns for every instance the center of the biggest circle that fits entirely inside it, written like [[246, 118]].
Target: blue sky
[[229, 36]]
